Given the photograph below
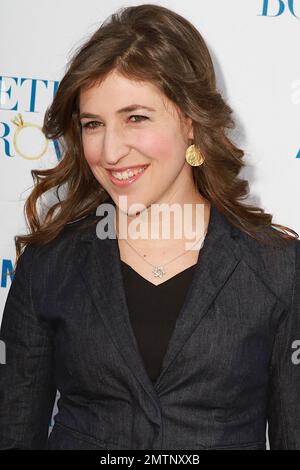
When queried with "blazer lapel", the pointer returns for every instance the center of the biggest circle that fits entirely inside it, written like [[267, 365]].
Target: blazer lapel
[[103, 275], [217, 260]]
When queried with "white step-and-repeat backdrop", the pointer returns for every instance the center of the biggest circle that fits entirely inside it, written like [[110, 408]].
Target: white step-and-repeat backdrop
[[255, 49]]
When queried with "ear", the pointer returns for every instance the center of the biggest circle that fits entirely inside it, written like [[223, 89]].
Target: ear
[[190, 128], [191, 134]]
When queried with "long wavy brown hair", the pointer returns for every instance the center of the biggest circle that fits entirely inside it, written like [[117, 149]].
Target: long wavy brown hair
[[145, 43]]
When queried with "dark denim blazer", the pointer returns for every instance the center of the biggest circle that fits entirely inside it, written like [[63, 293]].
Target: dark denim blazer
[[232, 363]]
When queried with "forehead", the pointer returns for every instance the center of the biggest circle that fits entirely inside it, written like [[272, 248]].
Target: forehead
[[116, 91], [116, 82]]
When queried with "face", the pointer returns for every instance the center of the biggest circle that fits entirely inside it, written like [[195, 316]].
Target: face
[[149, 136]]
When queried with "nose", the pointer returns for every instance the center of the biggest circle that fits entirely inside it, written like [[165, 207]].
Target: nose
[[115, 146]]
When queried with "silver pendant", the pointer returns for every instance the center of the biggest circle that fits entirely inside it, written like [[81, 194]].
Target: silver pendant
[[159, 271]]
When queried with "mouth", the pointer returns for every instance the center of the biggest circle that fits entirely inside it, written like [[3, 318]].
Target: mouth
[[126, 178]]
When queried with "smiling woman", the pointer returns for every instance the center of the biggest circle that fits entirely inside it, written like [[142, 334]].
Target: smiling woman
[[119, 149], [151, 345], [165, 76]]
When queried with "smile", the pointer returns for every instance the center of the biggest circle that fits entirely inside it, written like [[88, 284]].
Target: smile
[[126, 178]]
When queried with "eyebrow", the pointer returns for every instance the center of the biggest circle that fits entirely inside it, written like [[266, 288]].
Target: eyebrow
[[127, 109]]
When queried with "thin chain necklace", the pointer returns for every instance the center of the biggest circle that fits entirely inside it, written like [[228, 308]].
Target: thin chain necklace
[[159, 270]]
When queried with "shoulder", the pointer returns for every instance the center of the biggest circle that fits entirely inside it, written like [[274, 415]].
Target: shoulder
[[275, 265], [49, 267], [64, 245]]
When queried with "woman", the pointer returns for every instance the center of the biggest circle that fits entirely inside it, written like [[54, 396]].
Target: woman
[[153, 343]]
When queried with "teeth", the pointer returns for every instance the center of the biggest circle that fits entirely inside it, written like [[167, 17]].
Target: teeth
[[127, 174]]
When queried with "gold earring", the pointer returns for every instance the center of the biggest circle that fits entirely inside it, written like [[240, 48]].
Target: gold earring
[[193, 156]]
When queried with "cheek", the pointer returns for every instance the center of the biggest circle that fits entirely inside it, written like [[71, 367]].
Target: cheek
[[157, 146], [162, 147], [91, 150]]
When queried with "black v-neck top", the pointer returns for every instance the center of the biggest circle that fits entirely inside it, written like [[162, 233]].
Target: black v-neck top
[[153, 311]]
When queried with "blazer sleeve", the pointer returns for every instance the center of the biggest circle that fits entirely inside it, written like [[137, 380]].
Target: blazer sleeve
[[27, 388], [284, 387]]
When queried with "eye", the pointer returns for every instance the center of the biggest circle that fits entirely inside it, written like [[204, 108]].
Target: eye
[[142, 118], [90, 125]]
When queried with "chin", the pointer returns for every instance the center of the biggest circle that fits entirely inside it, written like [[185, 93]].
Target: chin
[[131, 206]]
